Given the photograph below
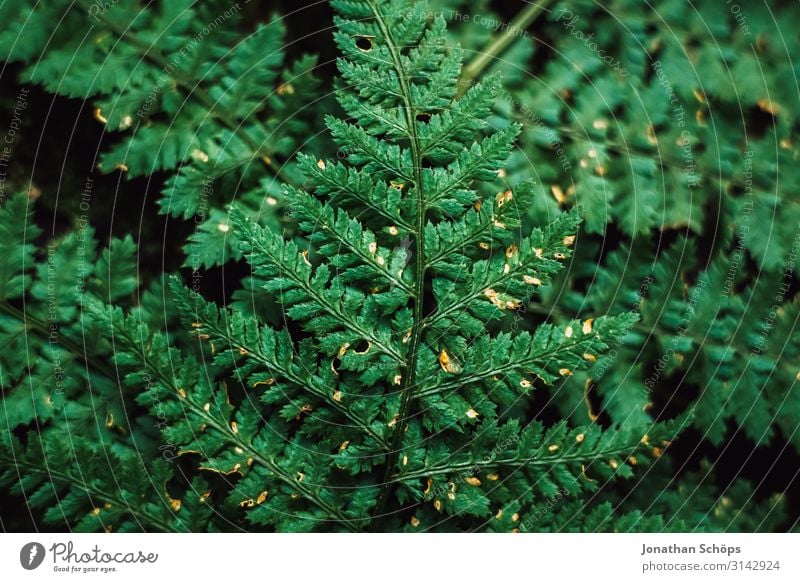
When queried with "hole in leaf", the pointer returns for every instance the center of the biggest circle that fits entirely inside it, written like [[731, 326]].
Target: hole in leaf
[[361, 346], [423, 117], [364, 43]]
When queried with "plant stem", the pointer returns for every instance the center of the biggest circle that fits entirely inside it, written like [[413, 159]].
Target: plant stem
[[500, 43], [409, 377]]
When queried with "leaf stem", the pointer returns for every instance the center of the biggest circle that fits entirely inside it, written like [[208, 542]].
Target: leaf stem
[[500, 43], [517, 462], [409, 377]]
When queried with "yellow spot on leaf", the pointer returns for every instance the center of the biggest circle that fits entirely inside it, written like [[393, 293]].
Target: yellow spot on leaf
[[768, 106], [558, 193], [504, 197], [448, 363]]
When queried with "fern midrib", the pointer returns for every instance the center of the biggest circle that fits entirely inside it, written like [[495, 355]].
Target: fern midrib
[[517, 462], [457, 382], [409, 378]]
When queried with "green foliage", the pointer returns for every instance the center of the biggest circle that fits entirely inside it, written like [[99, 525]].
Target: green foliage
[[408, 351], [178, 92], [54, 362], [683, 147]]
